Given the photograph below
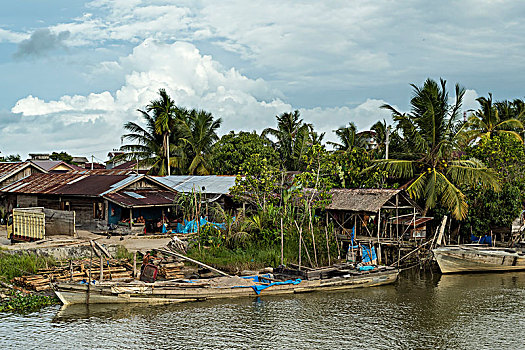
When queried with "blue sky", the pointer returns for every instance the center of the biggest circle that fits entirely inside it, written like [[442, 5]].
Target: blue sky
[[73, 72]]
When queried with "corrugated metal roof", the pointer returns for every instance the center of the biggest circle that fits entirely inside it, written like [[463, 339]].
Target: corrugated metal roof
[[49, 165], [142, 198], [71, 183], [212, 184]]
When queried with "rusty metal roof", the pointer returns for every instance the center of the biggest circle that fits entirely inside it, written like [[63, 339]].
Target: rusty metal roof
[[142, 198], [71, 183], [8, 169]]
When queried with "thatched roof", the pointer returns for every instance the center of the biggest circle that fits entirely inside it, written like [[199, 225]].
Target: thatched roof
[[365, 200]]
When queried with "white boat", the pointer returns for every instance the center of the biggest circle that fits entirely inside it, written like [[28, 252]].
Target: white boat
[[476, 258]]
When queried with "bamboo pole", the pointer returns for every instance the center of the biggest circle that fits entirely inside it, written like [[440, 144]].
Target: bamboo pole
[[135, 265], [101, 268], [178, 255], [89, 274], [282, 243], [312, 232]]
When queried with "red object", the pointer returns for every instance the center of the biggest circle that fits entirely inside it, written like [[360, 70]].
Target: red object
[[149, 273]]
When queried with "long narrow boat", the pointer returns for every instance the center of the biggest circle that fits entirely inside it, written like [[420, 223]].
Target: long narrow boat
[[471, 258], [215, 288]]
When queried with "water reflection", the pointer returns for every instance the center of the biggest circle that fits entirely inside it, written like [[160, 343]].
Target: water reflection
[[424, 311]]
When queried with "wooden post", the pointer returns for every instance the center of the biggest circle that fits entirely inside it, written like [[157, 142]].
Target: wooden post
[[300, 243], [70, 270], [397, 217], [130, 217], [327, 244], [89, 274], [282, 243], [378, 237], [101, 268], [135, 265]]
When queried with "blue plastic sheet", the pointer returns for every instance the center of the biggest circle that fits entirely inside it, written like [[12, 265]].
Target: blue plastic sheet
[[366, 268], [258, 288], [193, 226], [369, 255], [481, 240]]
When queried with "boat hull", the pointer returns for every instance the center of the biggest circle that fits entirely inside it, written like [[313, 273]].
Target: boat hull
[[460, 259], [70, 293]]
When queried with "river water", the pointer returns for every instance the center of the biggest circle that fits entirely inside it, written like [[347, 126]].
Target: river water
[[420, 311]]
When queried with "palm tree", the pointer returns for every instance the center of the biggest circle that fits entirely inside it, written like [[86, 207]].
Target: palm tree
[[147, 146], [164, 111], [486, 121], [348, 138], [292, 135], [198, 135], [428, 134]]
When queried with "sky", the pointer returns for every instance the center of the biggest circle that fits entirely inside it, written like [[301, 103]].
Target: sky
[[73, 72]]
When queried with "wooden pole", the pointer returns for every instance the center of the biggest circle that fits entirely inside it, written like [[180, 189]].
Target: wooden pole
[[313, 236], [178, 255], [327, 244], [135, 265], [378, 236], [101, 268], [89, 274], [282, 242], [70, 270]]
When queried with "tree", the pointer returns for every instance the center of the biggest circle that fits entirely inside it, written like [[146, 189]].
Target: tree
[[486, 121], [293, 138], [62, 156], [488, 209], [233, 150], [11, 158], [164, 111], [429, 162], [198, 134], [147, 145], [348, 138]]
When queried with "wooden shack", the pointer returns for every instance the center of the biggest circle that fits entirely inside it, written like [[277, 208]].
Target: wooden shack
[[376, 217]]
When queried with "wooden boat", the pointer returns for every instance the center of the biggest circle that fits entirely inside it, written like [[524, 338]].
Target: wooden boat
[[220, 287], [476, 258]]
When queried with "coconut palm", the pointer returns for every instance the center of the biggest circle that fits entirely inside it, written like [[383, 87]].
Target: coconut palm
[[435, 174], [147, 145], [348, 138], [486, 121], [293, 136], [164, 111], [198, 135]]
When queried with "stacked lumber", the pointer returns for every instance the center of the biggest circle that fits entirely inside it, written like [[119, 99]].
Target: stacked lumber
[[171, 270], [75, 270], [35, 282]]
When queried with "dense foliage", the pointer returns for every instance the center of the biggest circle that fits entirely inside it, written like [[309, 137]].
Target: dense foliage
[[468, 169], [233, 150]]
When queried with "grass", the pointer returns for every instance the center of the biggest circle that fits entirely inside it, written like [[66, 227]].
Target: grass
[[15, 265], [251, 257], [123, 253]]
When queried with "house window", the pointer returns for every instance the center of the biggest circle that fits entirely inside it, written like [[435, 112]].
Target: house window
[[98, 211]]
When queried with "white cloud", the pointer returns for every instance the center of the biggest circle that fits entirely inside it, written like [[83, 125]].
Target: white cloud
[[12, 37], [194, 81]]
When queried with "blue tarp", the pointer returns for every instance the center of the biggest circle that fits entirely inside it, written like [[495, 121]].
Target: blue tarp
[[481, 240], [192, 226], [366, 268], [259, 288], [369, 255]]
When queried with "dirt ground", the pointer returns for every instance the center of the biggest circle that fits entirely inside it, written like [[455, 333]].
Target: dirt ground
[[131, 243]]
